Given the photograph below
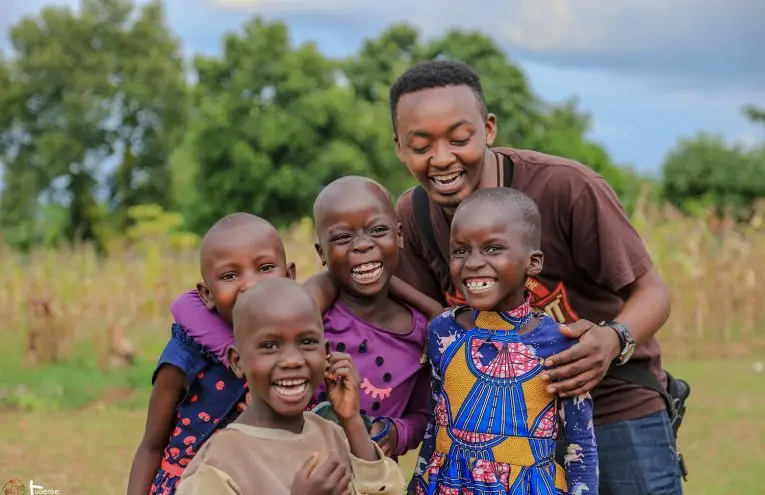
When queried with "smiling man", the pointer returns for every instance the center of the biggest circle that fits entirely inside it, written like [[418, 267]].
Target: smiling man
[[596, 269]]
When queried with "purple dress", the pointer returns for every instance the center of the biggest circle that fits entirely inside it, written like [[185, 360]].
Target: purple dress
[[394, 383]]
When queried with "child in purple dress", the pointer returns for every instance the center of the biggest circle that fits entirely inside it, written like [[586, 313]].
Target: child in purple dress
[[194, 393], [359, 241]]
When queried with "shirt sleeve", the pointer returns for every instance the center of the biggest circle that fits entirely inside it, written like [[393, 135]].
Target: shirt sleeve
[[181, 355], [383, 476], [207, 480], [581, 460], [413, 267], [411, 425], [190, 312], [604, 243]]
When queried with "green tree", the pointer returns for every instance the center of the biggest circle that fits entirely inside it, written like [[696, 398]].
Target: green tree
[[272, 127], [705, 171], [82, 89]]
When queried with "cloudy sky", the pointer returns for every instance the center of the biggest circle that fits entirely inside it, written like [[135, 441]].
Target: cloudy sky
[[649, 71]]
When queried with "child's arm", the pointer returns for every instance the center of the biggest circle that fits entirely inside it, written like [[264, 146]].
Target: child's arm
[[372, 471], [415, 298], [409, 429], [190, 312], [581, 461], [322, 289], [168, 390]]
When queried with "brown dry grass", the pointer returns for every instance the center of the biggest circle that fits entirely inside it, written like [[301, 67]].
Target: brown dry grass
[[715, 274]]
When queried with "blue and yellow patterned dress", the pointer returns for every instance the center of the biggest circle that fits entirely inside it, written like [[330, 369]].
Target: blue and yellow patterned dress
[[494, 426]]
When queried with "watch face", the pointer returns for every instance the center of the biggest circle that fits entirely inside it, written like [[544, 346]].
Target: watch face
[[628, 351]]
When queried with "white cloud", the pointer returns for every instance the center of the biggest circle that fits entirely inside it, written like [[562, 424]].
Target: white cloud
[[682, 42]]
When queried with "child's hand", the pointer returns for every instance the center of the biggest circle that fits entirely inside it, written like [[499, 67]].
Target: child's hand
[[389, 442], [342, 383], [330, 478]]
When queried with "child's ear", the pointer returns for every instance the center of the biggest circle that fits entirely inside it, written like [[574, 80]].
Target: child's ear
[[400, 235], [536, 260], [235, 361], [205, 295], [291, 270], [320, 252]]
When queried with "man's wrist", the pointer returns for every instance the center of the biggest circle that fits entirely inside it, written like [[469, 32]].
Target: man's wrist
[[624, 345]]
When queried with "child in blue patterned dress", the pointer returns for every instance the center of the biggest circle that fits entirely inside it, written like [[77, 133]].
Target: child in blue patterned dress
[[494, 427], [194, 393]]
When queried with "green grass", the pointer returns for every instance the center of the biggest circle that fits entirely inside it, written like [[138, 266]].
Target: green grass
[[88, 450]]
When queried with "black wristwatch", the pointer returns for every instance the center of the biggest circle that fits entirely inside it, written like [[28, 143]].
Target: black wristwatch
[[626, 341]]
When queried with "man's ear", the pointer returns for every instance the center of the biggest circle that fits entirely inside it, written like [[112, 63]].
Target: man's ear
[[205, 295], [399, 152], [400, 235], [490, 125], [291, 270], [235, 361], [536, 260], [320, 252]]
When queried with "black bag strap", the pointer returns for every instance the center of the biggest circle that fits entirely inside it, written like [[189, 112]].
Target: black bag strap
[[421, 204], [637, 372]]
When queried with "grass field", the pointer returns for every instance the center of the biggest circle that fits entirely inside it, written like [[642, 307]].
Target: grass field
[[93, 447]]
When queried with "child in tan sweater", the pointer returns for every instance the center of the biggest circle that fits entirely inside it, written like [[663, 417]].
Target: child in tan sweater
[[275, 447]]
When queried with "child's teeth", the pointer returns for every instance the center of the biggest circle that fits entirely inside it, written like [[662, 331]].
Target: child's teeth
[[480, 285], [367, 271]]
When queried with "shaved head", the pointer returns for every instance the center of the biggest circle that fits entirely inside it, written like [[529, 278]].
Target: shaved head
[[338, 192], [270, 302], [231, 225], [506, 202]]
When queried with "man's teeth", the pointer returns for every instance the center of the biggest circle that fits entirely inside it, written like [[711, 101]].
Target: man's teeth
[[367, 271], [290, 387], [447, 179], [479, 284]]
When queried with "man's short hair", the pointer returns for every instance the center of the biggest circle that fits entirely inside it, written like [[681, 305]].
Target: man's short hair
[[435, 74]]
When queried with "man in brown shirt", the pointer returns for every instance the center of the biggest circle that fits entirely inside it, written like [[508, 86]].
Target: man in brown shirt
[[596, 267]]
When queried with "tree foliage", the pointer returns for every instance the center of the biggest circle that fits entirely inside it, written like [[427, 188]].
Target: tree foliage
[[90, 98], [707, 172], [100, 116]]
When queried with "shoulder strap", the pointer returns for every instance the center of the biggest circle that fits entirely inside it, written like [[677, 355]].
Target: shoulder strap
[[421, 205], [637, 372], [508, 168]]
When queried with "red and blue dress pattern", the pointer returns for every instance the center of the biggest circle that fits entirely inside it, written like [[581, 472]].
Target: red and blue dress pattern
[[494, 427], [214, 399]]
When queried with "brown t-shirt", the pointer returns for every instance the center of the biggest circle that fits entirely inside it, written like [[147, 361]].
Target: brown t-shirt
[[591, 252]]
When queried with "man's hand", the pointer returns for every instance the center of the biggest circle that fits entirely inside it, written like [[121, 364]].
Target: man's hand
[[578, 369]]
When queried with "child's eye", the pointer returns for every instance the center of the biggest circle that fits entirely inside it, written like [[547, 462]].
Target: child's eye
[[420, 151], [380, 229], [266, 268], [340, 238], [459, 252], [493, 249], [269, 346], [229, 277], [309, 342], [461, 142]]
